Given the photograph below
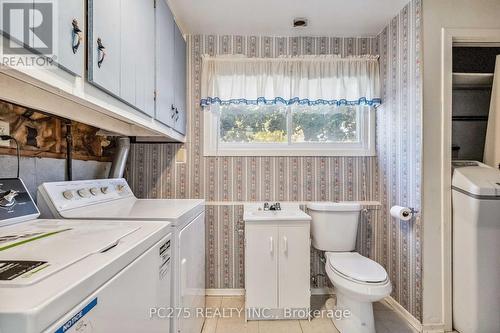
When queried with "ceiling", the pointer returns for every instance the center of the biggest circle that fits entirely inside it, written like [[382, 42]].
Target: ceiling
[[341, 18]]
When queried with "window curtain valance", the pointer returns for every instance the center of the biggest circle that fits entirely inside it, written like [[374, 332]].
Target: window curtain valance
[[309, 80]]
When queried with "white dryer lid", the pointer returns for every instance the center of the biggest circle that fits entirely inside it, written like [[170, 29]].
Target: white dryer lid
[[480, 180], [355, 266]]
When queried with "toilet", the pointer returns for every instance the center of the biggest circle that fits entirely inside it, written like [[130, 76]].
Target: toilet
[[358, 281]]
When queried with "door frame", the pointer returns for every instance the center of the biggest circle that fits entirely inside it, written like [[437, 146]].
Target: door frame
[[449, 37]]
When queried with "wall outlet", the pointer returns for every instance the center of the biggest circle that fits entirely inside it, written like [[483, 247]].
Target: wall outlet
[[4, 130]]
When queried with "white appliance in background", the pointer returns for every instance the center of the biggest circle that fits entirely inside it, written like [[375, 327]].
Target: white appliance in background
[[79, 276], [113, 199], [476, 245]]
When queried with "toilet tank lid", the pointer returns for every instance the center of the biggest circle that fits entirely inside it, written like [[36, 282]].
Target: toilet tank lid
[[343, 206]]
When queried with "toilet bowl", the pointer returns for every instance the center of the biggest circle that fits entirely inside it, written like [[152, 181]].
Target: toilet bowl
[[358, 281]]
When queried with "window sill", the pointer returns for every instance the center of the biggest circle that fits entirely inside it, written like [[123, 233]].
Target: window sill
[[289, 152]]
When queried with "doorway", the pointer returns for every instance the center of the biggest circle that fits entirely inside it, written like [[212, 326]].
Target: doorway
[[458, 38]]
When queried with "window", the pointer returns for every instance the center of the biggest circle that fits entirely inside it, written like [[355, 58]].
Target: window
[[289, 130]]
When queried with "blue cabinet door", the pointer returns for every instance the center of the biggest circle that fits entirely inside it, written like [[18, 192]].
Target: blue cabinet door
[[104, 45], [137, 54], [70, 33], [165, 108], [129, 49], [180, 80], [144, 54]]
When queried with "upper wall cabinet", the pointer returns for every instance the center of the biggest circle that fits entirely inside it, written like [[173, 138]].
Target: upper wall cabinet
[[121, 50], [165, 109], [170, 70], [104, 44], [180, 80], [71, 30]]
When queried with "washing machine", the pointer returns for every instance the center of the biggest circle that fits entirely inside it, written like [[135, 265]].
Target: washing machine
[[114, 199], [476, 245], [79, 276]]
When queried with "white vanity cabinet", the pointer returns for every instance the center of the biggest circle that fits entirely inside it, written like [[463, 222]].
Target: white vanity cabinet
[[277, 268]]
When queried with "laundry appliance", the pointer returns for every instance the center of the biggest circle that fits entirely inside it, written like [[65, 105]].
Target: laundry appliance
[[476, 244], [113, 199], [79, 276]]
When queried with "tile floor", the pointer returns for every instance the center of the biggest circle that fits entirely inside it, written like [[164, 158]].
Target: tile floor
[[386, 320]]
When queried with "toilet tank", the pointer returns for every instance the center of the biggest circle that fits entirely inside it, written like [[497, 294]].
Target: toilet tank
[[334, 225]]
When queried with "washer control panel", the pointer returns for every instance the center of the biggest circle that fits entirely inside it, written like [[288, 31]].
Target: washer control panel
[[81, 193]]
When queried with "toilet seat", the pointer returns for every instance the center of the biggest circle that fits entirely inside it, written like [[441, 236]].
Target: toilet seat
[[356, 268]]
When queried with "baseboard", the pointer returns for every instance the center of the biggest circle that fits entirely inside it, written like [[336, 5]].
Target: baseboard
[[433, 328], [321, 291], [241, 292], [225, 292], [398, 308]]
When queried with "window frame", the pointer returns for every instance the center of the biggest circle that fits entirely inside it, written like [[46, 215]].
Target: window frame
[[366, 146]]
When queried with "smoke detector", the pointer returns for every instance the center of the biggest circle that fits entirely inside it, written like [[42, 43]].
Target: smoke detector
[[300, 22]]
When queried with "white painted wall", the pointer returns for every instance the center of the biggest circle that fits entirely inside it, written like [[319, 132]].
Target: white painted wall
[[438, 14]]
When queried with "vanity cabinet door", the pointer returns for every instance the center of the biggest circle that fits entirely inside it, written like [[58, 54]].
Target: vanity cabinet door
[[294, 264], [104, 45], [261, 266]]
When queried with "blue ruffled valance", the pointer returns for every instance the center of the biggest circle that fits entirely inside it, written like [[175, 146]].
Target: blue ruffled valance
[[307, 80], [279, 100]]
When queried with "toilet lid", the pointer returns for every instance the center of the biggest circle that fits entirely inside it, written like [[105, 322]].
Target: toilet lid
[[355, 266]]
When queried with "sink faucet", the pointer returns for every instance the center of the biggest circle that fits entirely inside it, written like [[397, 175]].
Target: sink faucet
[[276, 206], [266, 205]]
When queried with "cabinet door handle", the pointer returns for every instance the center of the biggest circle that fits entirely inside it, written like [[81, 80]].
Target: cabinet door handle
[[77, 38], [271, 245], [100, 52], [172, 111], [285, 245]]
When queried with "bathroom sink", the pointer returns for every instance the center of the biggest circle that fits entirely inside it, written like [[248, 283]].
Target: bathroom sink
[[288, 212]]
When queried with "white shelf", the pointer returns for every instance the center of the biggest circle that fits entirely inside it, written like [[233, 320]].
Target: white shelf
[[472, 80]]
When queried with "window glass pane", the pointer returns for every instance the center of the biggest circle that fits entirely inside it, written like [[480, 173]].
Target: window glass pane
[[325, 124], [253, 124]]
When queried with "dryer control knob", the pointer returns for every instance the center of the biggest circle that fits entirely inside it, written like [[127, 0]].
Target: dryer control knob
[[105, 190], [84, 193], [68, 195], [94, 191]]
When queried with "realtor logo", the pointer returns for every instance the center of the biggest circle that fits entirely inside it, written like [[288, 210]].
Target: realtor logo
[[28, 27]]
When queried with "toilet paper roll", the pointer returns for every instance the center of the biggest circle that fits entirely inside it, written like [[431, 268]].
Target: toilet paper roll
[[402, 213]]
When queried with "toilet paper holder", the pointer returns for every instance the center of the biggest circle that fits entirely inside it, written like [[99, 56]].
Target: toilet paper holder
[[403, 213], [413, 212]]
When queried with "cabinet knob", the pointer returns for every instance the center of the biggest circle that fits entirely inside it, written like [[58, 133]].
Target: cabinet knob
[[100, 52], [77, 37]]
